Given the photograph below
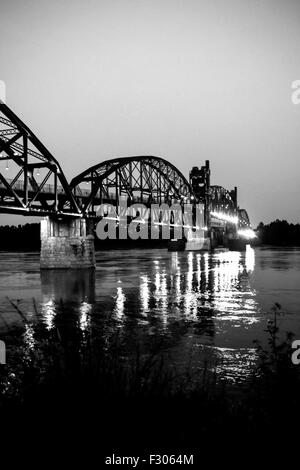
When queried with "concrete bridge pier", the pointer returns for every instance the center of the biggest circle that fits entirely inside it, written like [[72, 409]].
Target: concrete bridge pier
[[67, 244]]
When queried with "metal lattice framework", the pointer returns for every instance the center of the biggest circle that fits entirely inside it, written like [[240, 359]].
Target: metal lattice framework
[[31, 180], [244, 221], [33, 183], [144, 179], [221, 200]]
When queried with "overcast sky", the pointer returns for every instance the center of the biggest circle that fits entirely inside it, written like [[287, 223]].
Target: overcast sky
[[187, 80]]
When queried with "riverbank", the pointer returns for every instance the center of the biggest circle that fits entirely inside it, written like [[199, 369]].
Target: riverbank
[[27, 238], [139, 400]]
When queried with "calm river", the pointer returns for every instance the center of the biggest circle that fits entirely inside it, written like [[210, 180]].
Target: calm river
[[201, 307]]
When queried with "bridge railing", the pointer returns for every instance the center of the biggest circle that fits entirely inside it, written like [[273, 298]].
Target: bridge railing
[[50, 189]]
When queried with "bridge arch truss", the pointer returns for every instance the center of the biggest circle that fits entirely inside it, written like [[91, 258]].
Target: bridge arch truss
[[31, 180], [221, 200], [139, 179]]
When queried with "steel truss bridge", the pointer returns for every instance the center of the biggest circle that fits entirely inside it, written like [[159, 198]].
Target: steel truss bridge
[[33, 183]]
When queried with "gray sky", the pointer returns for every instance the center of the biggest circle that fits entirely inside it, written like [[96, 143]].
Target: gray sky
[[186, 80]]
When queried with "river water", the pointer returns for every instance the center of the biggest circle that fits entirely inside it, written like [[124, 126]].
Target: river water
[[202, 308]]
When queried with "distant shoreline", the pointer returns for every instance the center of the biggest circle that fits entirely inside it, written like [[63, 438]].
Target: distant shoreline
[[128, 248], [26, 238]]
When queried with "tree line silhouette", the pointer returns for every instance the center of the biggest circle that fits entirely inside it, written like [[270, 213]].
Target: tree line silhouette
[[27, 237], [20, 238], [279, 232]]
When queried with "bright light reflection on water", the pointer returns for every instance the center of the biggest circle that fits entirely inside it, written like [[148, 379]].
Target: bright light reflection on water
[[196, 305]]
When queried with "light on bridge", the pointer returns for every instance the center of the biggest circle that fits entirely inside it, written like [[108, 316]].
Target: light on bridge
[[247, 233], [227, 218]]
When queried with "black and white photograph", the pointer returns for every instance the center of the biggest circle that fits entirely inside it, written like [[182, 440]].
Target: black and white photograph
[[149, 233]]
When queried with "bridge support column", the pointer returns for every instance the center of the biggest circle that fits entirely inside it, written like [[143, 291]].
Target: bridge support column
[[66, 243]]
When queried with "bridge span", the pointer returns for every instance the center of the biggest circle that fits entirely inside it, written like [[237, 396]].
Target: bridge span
[[32, 183]]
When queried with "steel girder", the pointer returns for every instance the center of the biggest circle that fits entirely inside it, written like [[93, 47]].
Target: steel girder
[[25, 188], [221, 200], [244, 221], [144, 179]]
